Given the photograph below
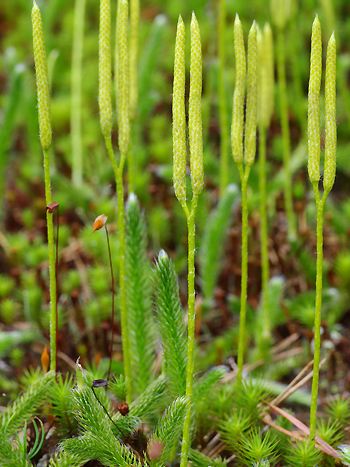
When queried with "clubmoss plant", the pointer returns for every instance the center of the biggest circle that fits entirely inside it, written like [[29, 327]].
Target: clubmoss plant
[[281, 11], [171, 324], [244, 155], [105, 104], [314, 156], [43, 93], [197, 180], [168, 431], [76, 81], [265, 110], [139, 297]]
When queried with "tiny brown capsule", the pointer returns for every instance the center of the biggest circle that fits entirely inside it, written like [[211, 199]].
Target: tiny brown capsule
[[99, 222], [123, 408]]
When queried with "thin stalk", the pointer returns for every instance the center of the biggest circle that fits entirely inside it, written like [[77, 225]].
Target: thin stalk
[[266, 331], [52, 262], [191, 232], [320, 202], [113, 301], [56, 269], [224, 132], [118, 170], [76, 80], [283, 101], [122, 286], [244, 175]]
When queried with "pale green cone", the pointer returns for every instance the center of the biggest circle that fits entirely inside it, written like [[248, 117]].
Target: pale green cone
[[123, 77], [105, 69], [239, 94], [266, 76], [281, 11], [194, 111], [314, 150], [330, 116], [179, 116], [251, 105], [134, 39], [42, 80]]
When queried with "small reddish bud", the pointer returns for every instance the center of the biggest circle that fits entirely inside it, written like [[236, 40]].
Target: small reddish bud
[[99, 222], [45, 359], [123, 408]]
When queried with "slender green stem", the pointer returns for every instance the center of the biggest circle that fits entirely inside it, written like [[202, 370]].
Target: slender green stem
[[283, 101], [118, 170], [320, 202], [244, 175], [77, 55], [191, 227], [266, 331], [122, 285], [224, 131], [111, 155], [52, 262]]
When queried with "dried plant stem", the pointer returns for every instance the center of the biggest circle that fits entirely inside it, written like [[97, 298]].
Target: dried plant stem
[[52, 262], [283, 102], [244, 175], [223, 118], [320, 203], [76, 80], [191, 228], [265, 272]]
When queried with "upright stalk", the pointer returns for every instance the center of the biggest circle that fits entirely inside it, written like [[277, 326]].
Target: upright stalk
[[320, 203], [43, 93], [265, 268], [122, 285], [243, 142], [52, 263], [191, 227], [224, 134], [76, 80], [283, 104], [314, 159], [244, 274], [197, 182], [123, 115], [265, 110]]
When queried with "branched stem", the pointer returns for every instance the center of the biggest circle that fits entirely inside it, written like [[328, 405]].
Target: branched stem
[[191, 232], [244, 175], [320, 203], [52, 262], [283, 100], [266, 331]]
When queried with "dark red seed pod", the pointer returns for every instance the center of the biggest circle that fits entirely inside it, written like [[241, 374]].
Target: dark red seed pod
[[123, 408]]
